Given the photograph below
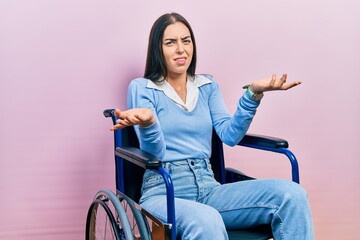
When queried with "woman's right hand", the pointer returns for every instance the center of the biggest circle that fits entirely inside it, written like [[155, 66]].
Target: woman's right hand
[[143, 117]]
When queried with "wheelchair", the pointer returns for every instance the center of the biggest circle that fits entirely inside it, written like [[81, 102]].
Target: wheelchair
[[119, 216]]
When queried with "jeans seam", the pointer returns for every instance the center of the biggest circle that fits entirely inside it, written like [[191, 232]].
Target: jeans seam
[[281, 231], [249, 206]]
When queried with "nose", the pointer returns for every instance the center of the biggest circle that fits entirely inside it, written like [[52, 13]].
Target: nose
[[180, 48]]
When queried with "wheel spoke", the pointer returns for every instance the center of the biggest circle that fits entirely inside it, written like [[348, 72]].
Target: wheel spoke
[[101, 225]]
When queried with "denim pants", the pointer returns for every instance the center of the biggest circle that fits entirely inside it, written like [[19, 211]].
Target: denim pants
[[204, 208]]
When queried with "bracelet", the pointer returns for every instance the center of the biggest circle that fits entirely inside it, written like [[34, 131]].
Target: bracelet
[[253, 96]]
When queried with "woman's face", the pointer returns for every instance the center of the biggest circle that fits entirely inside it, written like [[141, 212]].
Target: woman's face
[[177, 48]]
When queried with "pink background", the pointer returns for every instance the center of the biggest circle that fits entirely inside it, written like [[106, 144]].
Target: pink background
[[63, 61]]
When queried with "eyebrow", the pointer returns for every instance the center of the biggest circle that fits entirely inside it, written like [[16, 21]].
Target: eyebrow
[[171, 39]]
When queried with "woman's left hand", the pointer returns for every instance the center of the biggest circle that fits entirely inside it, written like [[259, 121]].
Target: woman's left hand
[[271, 84]]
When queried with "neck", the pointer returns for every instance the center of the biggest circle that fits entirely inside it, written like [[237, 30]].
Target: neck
[[177, 81]]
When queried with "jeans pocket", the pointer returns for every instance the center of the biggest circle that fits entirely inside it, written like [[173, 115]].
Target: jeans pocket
[[152, 179]]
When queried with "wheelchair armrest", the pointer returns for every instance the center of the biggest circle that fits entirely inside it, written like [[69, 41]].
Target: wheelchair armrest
[[263, 141], [138, 157], [272, 144]]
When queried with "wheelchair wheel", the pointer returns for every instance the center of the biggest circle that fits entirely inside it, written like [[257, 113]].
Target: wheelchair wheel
[[100, 223], [113, 224], [138, 222]]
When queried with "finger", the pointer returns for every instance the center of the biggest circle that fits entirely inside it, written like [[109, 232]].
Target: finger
[[116, 127], [126, 121], [282, 80], [113, 128], [137, 116], [273, 79], [117, 113], [290, 85], [141, 117], [132, 119], [121, 122]]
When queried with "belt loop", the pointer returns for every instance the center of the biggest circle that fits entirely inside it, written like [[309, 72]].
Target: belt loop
[[207, 161]]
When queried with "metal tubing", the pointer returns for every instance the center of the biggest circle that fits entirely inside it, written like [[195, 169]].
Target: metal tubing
[[288, 153], [170, 198], [118, 160]]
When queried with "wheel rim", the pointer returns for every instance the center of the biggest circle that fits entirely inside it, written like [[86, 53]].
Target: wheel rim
[[101, 224], [138, 222]]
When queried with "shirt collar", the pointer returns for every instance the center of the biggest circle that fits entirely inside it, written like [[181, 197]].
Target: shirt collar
[[192, 95], [197, 80]]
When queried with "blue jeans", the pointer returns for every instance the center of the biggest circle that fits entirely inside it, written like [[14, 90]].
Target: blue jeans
[[205, 209]]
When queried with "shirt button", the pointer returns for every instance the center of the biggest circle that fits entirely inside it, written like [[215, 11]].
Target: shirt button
[[192, 163]]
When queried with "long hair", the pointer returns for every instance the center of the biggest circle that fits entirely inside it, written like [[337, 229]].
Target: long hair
[[155, 68]]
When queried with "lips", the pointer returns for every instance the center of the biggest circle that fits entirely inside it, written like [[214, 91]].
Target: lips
[[180, 60]]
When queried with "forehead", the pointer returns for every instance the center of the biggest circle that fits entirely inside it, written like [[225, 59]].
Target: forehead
[[176, 30]]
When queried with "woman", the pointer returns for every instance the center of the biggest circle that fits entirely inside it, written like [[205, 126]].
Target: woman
[[174, 111]]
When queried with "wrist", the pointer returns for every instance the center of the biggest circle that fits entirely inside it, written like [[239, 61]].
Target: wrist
[[148, 124], [254, 90], [253, 95]]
